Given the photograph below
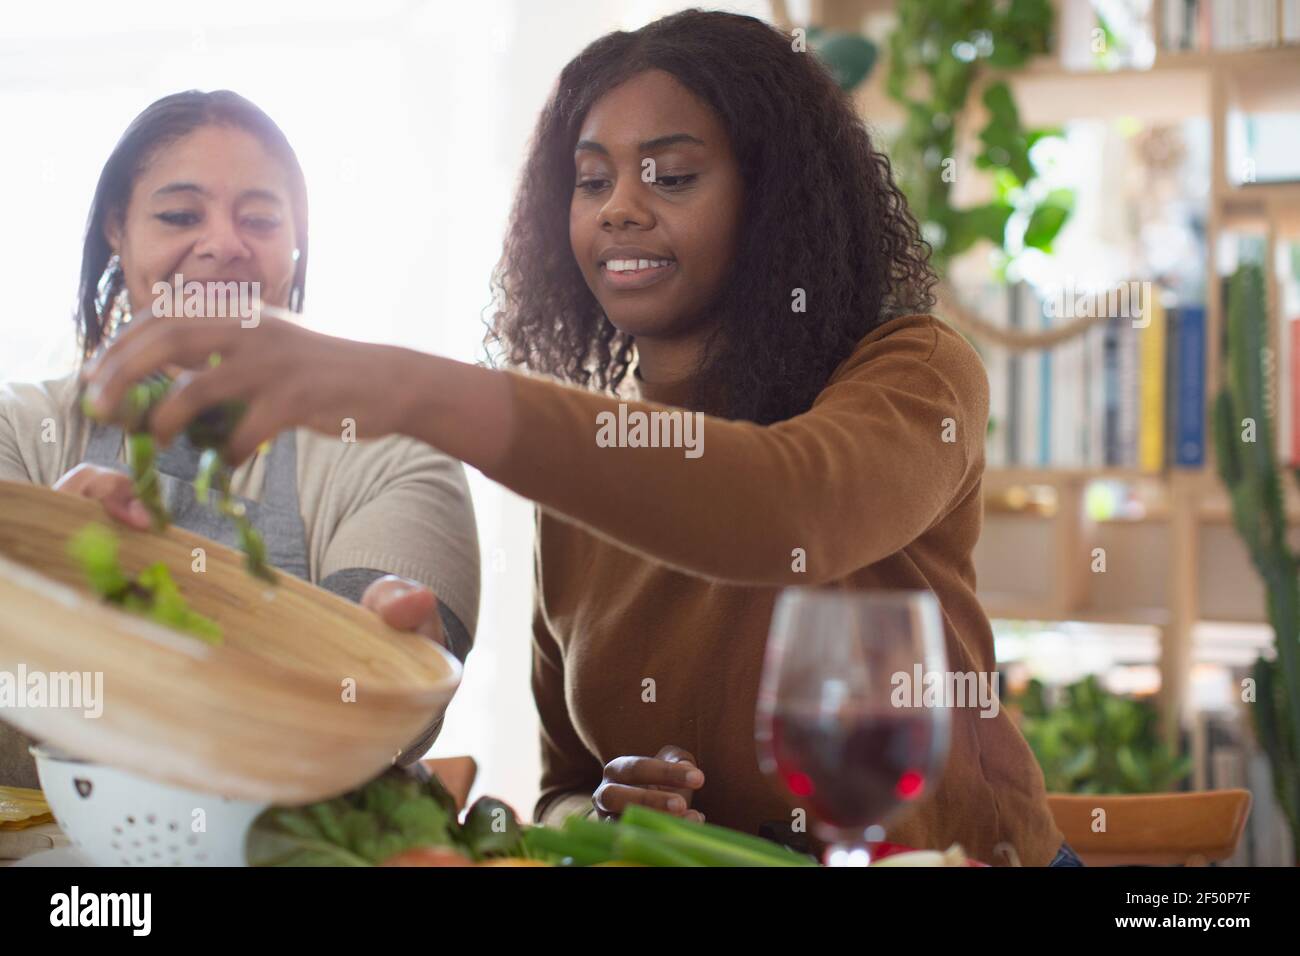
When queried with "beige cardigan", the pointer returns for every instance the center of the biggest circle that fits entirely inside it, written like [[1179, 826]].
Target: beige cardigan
[[393, 505]]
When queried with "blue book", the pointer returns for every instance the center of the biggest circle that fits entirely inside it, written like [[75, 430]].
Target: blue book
[[1189, 449]]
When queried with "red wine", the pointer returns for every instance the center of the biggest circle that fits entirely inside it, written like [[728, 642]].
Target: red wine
[[850, 769]]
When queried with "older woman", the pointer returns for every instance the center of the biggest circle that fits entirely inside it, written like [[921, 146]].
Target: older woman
[[205, 187]]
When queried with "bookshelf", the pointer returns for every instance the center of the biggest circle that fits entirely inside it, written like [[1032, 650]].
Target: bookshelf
[[1180, 563]]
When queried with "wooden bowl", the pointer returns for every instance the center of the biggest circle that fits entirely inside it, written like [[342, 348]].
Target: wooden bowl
[[308, 695]]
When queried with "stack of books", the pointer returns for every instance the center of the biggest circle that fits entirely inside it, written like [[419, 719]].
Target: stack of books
[[1202, 25], [1128, 393]]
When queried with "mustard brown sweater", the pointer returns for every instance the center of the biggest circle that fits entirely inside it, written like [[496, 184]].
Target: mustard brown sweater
[[655, 565]]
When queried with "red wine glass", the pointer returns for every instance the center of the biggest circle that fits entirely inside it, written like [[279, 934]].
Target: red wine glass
[[842, 724]]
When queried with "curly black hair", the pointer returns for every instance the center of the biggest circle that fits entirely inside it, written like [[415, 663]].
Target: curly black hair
[[821, 213]]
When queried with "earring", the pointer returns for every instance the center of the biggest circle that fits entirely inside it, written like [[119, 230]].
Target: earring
[[113, 298]]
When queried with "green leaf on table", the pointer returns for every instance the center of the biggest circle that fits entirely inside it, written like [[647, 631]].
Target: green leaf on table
[[490, 828], [387, 816]]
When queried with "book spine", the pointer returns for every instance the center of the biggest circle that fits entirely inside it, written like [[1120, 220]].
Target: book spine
[[1097, 397], [995, 362], [1111, 389], [1191, 387], [1128, 394], [1151, 396], [1171, 385], [1044, 386], [1291, 21], [1015, 386]]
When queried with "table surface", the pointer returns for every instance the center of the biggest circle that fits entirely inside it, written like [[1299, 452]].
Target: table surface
[[16, 844]]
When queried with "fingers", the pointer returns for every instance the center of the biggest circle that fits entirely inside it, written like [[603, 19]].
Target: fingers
[[405, 605], [675, 754], [191, 393], [122, 505], [147, 347], [613, 798], [652, 771], [266, 417], [112, 489]]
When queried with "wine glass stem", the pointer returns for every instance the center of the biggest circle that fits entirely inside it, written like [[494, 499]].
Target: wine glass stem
[[848, 853]]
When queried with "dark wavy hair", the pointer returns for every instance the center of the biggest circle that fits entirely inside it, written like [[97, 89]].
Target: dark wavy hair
[[821, 213], [162, 122]]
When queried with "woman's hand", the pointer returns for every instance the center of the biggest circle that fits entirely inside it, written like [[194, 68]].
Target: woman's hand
[[666, 781], [112, 489], [406, 605], [289, 376]]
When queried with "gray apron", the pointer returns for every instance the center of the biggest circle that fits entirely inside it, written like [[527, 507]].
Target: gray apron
[[276, 516]]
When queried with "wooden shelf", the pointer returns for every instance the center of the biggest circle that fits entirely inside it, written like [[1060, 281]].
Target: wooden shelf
[[1280, 57], [1052, 476], [1182, 541], [1011, 608]]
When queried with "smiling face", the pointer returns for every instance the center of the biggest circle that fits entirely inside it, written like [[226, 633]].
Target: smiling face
[[212, 206], [656, 249]]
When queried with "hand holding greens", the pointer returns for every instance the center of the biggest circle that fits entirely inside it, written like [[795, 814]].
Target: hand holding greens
[[210, 430]]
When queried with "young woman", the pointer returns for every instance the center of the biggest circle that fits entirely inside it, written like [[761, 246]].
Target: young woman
[[703, 222], [205, 186]]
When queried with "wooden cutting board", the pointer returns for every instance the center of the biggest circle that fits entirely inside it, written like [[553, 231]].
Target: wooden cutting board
[[308, 695]]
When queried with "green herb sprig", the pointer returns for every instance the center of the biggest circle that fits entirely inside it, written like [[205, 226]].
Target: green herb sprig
[[210, 430], [151, 593]]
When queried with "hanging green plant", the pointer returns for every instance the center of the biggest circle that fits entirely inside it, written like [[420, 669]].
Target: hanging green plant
[[939, 51]]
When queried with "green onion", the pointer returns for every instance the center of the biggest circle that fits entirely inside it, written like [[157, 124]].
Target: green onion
[[210, 430], [720, 845], [144, 478], [548, 843], [652, 849]]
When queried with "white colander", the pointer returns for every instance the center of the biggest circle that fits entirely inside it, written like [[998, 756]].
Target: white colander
[[117, 818]]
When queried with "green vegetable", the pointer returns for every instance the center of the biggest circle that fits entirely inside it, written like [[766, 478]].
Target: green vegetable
[[212, 471], [391, 814], [564, 847], [652, 838], [1092, 741], [396, 812], [95, 548], [152, 593], [144, 478], [490, 828], [210, 430], [719, 846]]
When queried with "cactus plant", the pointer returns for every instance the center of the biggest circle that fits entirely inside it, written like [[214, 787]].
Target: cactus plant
[[1243, 437]]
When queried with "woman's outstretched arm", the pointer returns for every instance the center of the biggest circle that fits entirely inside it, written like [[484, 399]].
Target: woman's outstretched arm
[[893, 442]]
